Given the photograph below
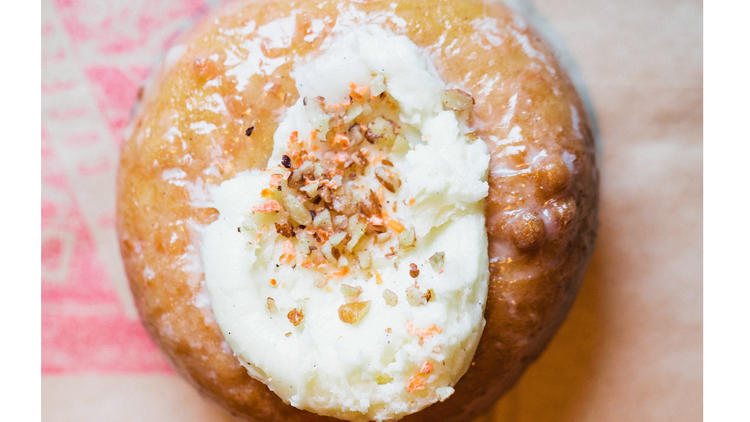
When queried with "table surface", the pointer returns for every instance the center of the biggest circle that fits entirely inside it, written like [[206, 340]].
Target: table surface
[[631, 347]]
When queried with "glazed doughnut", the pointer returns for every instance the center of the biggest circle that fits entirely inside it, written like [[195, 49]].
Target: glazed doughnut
[[360, 210]]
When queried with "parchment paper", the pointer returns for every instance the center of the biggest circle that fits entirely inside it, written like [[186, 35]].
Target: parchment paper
[[630, 349]]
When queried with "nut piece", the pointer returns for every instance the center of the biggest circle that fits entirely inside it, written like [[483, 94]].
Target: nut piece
[[323, 220], [391, 299], [387, 178], [437, 261], [296, 210], [295, 316], [413, 270], [382, 130], [350, 292], [414, 296], [457, 100], [352, 313], [407, 238], [285, 229], [365, 259], [355, 134], [271, 304]]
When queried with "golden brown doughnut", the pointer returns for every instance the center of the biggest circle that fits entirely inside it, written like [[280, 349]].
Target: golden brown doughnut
[[540, 213]]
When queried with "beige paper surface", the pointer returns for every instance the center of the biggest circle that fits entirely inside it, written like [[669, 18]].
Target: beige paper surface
[[630, 349]]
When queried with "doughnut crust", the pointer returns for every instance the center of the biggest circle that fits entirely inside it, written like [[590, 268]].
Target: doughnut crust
[[540, 212]]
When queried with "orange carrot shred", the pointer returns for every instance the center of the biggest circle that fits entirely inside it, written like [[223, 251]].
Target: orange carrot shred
[[395, 225], [415, 383], [268, 206]]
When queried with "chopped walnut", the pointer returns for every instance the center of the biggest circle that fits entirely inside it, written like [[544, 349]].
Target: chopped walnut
[[416, 298], [285, 229], [353, 312], [388, 178], [382, 130], [271, 305], [457, 100], [407, 238], [413, 270], [296, 210], [295, 316], [323, 220], [350, 292], [391, 299], [365, 259], [356, 135]]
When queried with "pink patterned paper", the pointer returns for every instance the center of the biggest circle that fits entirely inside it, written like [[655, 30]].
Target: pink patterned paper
[[95, 55]]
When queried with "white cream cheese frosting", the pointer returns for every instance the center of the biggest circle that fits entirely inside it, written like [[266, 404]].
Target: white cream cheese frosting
[[417, 301]]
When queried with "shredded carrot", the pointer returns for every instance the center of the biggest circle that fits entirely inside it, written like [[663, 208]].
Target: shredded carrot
[[422, 333], [288, 254], [342, 272], [313, 136], [411, 201], [273, 282], [416, 382], [268, 206], [378, 279], [395, 225], [275, 181], [426, 368], [294, 137]]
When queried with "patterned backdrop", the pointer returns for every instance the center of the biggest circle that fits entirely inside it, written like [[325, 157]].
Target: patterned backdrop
[[95, 55]]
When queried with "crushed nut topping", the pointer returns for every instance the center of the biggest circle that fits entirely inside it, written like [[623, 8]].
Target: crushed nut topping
[[407, 238], [331, 199], [353, 312], [391, 299], [330, 188], [437, 261], [388, 178], [457, 100], [414, 296], [285, 229], [271, 304], [350, 292], [295, 316], [413, 270]]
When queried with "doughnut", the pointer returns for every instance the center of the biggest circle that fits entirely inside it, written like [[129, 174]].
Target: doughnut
[[356, 210]]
